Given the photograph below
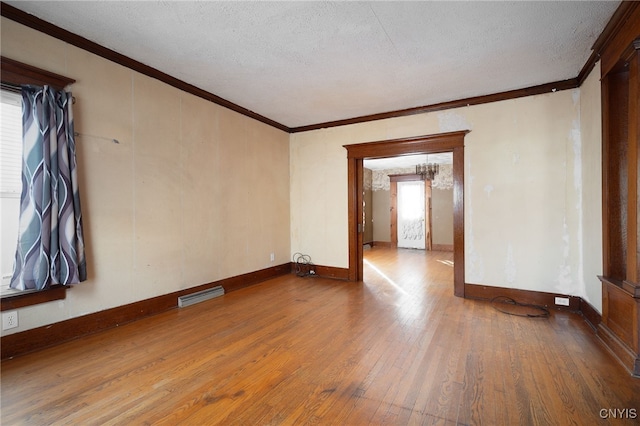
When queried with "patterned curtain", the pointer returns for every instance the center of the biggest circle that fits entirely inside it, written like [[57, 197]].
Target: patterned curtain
[[50, 242]]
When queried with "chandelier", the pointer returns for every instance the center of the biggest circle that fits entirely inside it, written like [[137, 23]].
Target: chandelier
[[427, 171]]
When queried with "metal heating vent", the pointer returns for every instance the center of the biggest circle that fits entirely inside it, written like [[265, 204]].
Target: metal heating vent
[[200, 296]]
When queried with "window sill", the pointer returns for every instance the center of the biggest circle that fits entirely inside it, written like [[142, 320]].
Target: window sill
[[20, 300]]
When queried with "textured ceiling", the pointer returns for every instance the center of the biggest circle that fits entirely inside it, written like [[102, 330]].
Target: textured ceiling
[[304, 63]]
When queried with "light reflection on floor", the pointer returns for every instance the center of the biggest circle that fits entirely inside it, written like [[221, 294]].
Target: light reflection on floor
[[408, 306], [389, 280]]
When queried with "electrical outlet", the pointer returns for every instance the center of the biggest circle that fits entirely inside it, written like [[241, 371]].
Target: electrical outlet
[[563, 301], [273, 257], [9, 320]]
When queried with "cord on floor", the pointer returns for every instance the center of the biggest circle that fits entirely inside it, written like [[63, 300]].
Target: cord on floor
[[303, 265], [540, 311]]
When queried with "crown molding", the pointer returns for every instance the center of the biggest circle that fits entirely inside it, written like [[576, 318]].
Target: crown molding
[[476, 100]]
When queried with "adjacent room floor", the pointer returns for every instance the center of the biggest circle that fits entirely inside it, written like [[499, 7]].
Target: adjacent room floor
[[397, 349]]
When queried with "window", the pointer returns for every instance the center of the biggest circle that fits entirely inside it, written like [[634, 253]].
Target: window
[[16, 73], [10, 181]]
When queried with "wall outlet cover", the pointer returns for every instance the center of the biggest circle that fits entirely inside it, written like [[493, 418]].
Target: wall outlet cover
[[9, 320]]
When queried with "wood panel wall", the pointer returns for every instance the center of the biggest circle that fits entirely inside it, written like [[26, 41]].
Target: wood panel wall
[[620, 68]]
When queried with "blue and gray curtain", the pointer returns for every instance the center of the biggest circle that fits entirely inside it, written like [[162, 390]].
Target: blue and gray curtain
[[50, 241]]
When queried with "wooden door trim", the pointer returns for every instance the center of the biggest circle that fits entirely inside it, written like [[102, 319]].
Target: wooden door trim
[[427, 144], [410, 177]]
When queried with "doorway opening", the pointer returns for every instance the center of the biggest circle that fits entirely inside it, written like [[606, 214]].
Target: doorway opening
[[412, 231], [429, 144]]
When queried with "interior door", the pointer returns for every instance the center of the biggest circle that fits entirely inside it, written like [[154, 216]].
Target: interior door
[[411, 215]]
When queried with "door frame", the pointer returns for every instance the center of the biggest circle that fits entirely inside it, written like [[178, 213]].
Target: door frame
[[427, 144]]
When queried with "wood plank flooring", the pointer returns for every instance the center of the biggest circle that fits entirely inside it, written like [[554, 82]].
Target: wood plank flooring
[[398, 349]]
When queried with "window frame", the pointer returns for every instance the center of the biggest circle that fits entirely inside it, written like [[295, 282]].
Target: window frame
[[15, 74]]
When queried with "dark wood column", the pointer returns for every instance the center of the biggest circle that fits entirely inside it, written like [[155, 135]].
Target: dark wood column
[[620, 67]]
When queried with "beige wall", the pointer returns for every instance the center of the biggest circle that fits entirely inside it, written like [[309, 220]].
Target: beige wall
[[442, 216], [524, 190], [193, 193], [382, 215], [588, 141]]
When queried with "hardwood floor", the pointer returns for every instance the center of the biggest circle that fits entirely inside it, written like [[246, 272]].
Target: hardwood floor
[[397, 349]]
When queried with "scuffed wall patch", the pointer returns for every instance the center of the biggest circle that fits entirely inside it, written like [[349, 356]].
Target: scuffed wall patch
[[450, 121], [576, 140], [564, 280], [575, 96]]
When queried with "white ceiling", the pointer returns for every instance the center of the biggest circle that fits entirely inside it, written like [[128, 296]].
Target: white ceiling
[[303, 63]]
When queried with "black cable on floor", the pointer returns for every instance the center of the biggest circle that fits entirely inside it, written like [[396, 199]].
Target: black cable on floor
[[543, 311], [303, 265]]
